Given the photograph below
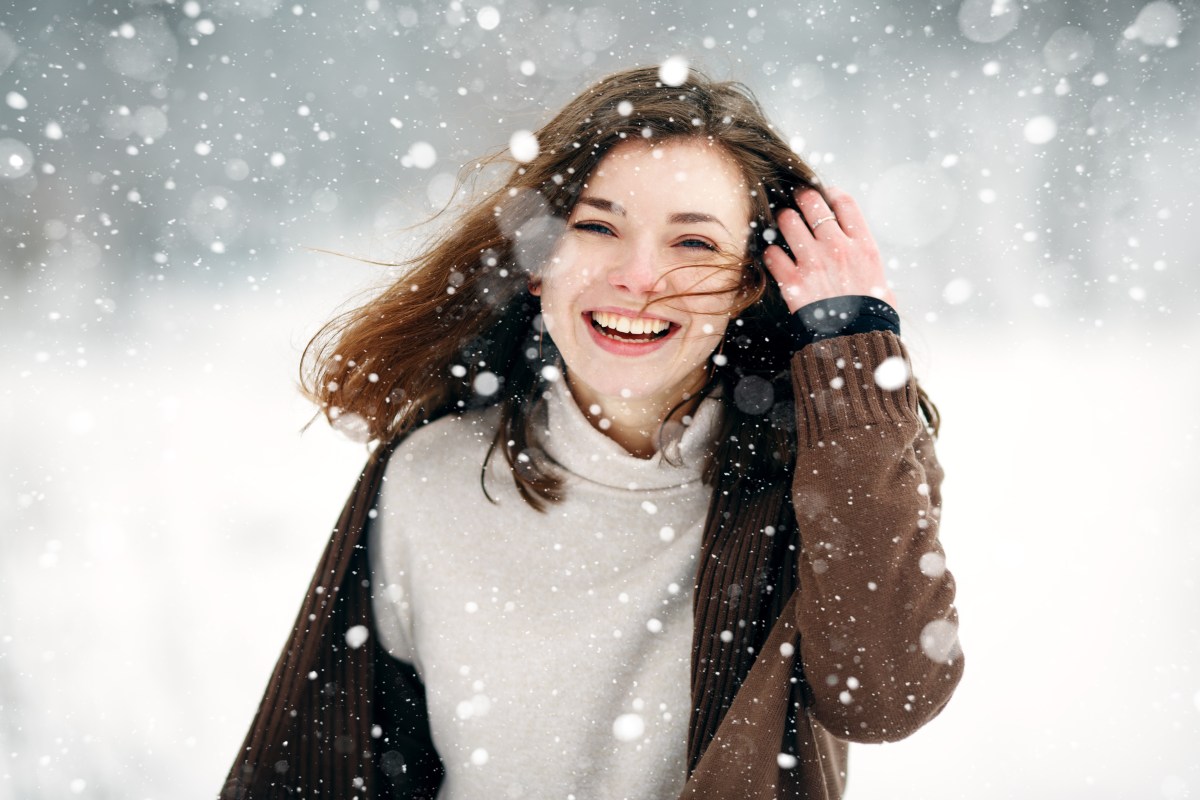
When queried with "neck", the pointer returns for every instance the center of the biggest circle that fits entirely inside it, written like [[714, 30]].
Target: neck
[[633, 423]]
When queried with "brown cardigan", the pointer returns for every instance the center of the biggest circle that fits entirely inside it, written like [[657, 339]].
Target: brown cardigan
[[827, 606]]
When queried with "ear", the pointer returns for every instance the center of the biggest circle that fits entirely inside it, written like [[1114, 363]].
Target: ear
[[535, 287]]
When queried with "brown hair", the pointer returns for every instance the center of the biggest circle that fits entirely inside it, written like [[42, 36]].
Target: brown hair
[[459, 330]]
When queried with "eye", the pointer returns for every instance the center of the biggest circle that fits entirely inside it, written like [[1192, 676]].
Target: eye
[[594, 227], [697, 243]]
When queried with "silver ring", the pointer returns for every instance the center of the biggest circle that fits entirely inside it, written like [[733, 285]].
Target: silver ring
[[813, 227]]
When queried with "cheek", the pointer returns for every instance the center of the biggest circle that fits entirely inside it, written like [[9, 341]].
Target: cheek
[[709, 275], [711, 303], [704, 337], [558, 302], [567, 271], [555, 310], [558, 293]]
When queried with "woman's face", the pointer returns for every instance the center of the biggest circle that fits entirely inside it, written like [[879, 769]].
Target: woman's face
[[645, 211]]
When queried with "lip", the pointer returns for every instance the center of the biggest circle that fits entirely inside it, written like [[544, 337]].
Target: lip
[[627, 312], [625, 348]]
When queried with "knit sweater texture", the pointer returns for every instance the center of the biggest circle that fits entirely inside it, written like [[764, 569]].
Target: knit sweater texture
[[554, 647], [822, 614]]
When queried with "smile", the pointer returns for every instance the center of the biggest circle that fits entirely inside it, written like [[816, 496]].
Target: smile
[[634, 328], [625, 335]]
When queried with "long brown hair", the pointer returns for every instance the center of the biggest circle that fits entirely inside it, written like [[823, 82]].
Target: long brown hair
[[459, 329]]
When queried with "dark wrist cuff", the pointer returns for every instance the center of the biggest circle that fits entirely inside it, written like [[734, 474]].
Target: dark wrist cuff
[[841, 316]]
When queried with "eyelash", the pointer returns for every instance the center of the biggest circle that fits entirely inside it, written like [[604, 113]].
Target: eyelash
[[604, 230], [593, 227]]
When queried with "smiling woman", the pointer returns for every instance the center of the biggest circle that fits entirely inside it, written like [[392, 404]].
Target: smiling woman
[[703, 566]]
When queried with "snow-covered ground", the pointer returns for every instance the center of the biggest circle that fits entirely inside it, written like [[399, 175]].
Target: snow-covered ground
[[162, 515]]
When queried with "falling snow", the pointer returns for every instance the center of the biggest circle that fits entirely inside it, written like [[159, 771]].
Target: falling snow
[[524, 146], [891, 374], [673, 71], [629, 727], [179, 183]]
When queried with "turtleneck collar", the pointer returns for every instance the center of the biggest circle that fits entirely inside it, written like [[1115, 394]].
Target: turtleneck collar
[[587, 453]]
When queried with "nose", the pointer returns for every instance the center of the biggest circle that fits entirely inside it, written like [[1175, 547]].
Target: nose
[[637, 271]]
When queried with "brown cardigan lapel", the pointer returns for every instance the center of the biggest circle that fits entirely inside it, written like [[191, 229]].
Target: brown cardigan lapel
[[743, 571]]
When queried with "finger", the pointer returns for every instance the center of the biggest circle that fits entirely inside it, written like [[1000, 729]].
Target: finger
[[795, 232], [850, 217], [778, 264], [785, 273], [816, 211]]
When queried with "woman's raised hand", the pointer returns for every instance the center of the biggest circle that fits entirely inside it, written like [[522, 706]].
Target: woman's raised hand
[[834, 251]]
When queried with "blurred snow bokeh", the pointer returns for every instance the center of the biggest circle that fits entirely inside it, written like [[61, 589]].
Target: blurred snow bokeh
[[165, 168]]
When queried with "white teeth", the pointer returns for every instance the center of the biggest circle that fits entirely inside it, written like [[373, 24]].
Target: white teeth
[[623, 324]]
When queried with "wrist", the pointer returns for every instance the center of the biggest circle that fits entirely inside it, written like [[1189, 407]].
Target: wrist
[[841, 316]]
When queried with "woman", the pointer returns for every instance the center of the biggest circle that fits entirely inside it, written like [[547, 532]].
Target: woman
[[654, 512]]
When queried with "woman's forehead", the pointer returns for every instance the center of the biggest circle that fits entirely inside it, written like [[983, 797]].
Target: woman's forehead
[[692, 172]]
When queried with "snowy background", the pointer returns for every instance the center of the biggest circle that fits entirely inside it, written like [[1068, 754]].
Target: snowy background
[[167, 167]]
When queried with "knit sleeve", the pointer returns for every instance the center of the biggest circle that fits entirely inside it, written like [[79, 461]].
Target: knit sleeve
[[876, 616]]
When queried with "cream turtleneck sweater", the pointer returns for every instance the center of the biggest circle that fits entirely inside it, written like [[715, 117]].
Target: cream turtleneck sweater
[[554, 648]]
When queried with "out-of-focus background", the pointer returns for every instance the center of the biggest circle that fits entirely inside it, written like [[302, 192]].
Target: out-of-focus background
[[169, 168]]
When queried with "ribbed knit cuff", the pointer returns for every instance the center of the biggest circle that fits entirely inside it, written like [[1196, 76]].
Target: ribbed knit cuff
[[852, 381], [841, 316]]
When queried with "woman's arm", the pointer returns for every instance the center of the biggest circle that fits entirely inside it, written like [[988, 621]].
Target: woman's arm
[[876, 619]]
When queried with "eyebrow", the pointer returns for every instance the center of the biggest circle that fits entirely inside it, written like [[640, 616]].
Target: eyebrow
[[603, 205], [678, 218], [691, 217]]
